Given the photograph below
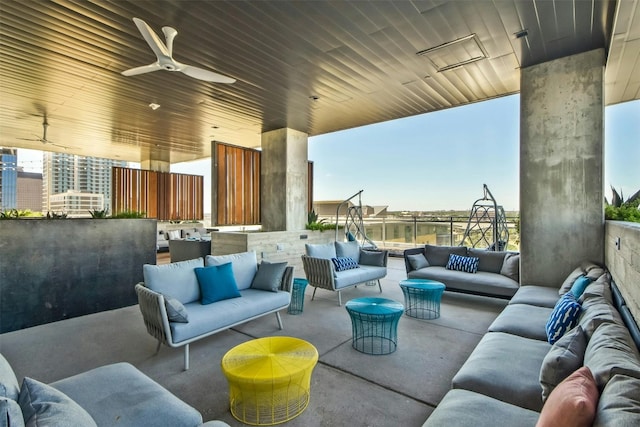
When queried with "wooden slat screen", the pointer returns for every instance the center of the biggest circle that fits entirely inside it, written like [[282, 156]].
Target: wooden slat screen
[[238, 185], [164, 196]]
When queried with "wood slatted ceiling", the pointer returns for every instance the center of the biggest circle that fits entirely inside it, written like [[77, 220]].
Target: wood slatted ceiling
[[63, 58], [161, 195]]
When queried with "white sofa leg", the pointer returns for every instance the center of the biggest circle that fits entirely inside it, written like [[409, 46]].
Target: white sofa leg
[[379, 285], [340, 298], [186, 357], [279, 320]]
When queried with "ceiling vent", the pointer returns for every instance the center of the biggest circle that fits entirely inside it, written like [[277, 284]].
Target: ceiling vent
[[456, 53]]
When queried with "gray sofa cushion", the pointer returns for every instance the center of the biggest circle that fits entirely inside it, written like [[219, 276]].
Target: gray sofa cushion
[[243, 264], [10, 413], [619, 403], [326, 251], [596, 310], [511, 266], [177, 279], [226, 313], [542, 296], [565, 357], [439, 255], [600, 287], [490, 261], [505, 367], [9, 386], [43, 405], [463, 408], [121, 395], [480, 282], [348, 249], [344, 279], [611, 351], [524, 320]]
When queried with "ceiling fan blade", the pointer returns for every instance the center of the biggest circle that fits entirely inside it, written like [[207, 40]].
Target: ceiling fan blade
[[152, 39], [202, 74], [141, 70]]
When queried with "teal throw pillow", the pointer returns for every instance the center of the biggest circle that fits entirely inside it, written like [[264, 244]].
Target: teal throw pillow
[[269, 276], [563, 317], [579, 286], [217, 283], [43, 405], [467, 264]]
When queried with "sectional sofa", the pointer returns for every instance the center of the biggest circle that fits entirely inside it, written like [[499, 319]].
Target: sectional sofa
[[503, 381], [479, 272], [111, 395], [185, 301]]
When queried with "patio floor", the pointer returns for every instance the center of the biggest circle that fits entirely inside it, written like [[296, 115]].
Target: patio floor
[[348, 387]]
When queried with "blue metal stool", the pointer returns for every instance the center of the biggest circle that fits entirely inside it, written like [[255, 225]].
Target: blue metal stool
[[297, 296], [422, 298], [374, 323]]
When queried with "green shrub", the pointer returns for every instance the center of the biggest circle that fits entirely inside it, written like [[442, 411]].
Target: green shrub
[[129, 214], [98, 213], [621, 210]]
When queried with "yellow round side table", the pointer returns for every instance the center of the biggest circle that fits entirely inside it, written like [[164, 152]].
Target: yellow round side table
[[269, 379]]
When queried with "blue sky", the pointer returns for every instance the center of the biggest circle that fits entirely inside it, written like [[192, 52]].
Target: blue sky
[[440, 160]]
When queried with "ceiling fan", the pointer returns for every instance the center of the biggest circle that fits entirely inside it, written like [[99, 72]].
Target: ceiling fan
[[164, 54], [44, 139]]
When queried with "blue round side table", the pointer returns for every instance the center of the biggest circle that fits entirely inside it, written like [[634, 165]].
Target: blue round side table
[[422, 298], [374, 324]]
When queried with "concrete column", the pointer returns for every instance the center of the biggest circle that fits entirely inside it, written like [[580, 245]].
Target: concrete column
[[155, 160], [561, 166], [283, 180]]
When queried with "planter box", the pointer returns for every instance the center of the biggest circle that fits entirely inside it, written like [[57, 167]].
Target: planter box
[[52, 270]]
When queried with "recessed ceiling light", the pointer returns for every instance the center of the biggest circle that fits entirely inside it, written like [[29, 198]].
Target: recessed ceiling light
[[154, 106], [314, 97]]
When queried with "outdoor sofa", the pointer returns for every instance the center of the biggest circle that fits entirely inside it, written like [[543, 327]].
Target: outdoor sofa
[[177, 310], [503, 380], [339, 265], [493, 273], [111, 395]]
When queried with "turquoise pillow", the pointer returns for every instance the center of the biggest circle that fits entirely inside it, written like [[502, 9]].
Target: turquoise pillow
[[217, 283], [563, 317], [579, 286]]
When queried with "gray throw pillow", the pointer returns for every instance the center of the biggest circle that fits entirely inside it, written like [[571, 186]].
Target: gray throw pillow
[[10, 411], [511, 266], [9, 386], [565, 357], [374, 258], [489, 261], [175, 310], [43, 405], [439, 255], [417, 261], [269, 276]]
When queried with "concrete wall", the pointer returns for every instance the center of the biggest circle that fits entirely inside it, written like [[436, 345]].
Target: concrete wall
[[284, 180], [52, 270], [275, 246], [561, 166], [623, 261]]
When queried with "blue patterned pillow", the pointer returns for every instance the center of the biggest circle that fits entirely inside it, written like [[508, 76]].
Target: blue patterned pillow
[[467, 264], [563, 317], [342, 263]]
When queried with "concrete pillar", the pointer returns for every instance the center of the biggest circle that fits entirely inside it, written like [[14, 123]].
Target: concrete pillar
[[155, 160], [561, 166], [283, 180]]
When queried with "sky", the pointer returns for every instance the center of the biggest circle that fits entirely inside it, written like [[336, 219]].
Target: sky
[[440, 160]]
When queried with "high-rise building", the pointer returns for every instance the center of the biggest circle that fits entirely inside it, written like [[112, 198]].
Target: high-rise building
[[8, 178], [29, 190], [62, 173]]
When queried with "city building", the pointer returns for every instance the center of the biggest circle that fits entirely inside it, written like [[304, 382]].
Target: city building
[[75, 203], [8, 178], [29, 191], [65, 174]]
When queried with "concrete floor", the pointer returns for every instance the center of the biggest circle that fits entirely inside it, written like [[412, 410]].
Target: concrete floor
[[348, 387]]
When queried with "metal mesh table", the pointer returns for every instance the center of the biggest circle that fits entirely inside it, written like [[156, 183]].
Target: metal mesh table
[[422, 298], [374, 323], [269, 379]]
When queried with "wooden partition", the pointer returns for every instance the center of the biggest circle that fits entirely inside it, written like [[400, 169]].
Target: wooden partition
[[164, 196]]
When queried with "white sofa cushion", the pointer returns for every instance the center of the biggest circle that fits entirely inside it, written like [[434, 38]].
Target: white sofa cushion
[[325, 251], [349, 250], [177, 279], [243, 264]]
